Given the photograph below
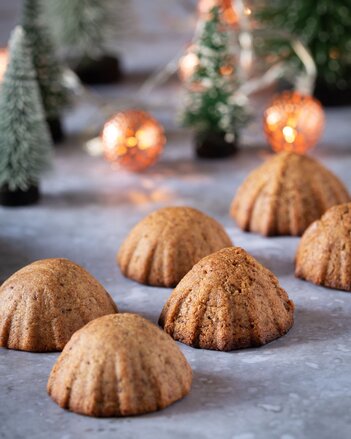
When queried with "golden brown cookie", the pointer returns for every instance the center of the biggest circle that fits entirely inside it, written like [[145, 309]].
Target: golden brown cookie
[[285, 195], [166, 244], [324, 254], [119, 365], [227, 301], [44, 303]]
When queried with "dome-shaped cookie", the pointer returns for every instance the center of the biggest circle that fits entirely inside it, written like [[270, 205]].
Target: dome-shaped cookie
[[44, 303], [324, 254], [119, 365], [166, 244], [227, 301], [285, 195]]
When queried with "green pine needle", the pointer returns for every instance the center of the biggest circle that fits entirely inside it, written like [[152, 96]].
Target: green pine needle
[[324, 26], [212, 108], [25, 142], [48, 69]]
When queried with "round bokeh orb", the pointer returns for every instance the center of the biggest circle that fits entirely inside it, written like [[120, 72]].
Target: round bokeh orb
[[133, 139], [293, 122], [188, 63], [4, 56]]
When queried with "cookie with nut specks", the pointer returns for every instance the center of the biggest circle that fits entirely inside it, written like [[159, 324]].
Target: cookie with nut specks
[[44, 303], [285, 195], [166, 244], [228, 301], [119, 365]]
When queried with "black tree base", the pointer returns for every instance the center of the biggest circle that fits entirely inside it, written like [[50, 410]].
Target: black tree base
[[103, 70], [332, 96], [214, 145], [19, 197], [56, 130]]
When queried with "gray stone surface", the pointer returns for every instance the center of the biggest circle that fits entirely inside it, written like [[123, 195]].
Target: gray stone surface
[[296, 387]]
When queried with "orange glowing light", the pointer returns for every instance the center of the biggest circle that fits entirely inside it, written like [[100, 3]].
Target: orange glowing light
[[3, 62], [188, 64], [293, 122], [229, 13], [133, 139], [334, 53], [226, 70]]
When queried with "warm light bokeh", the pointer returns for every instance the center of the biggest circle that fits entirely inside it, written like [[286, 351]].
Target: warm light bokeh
[[293, 122], [3, 62], [133, 139], [188, 64], [229, 13]]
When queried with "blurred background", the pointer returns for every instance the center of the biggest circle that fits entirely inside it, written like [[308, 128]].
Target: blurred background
[[158, 45], [155, 32]]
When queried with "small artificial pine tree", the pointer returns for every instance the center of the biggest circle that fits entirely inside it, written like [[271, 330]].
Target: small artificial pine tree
[[325, 27], [49, 72], [210, 105], [82, 29], [25, 142]]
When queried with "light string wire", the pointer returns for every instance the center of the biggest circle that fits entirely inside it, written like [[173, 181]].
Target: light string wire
[[245, 36]]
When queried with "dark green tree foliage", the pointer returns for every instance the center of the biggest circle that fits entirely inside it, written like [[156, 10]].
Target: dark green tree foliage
[[49, 71], [83, 27], [210, 103], [25, 143], [324, 26]]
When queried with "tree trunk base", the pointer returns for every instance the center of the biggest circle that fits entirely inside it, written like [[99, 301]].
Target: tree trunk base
[[19, 197], [214, 145], [103, 70], [332, 96], [56, 130]]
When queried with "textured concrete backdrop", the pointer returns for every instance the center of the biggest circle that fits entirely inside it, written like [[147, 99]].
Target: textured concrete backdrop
[[297, 387]]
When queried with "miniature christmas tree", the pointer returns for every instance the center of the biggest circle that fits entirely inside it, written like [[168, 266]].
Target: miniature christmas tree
[[25, 142], [211, 107], [83, 28], [49, 72], [325, 27]]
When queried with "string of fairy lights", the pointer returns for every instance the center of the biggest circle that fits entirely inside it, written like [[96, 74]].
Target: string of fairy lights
[[293, 121]]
